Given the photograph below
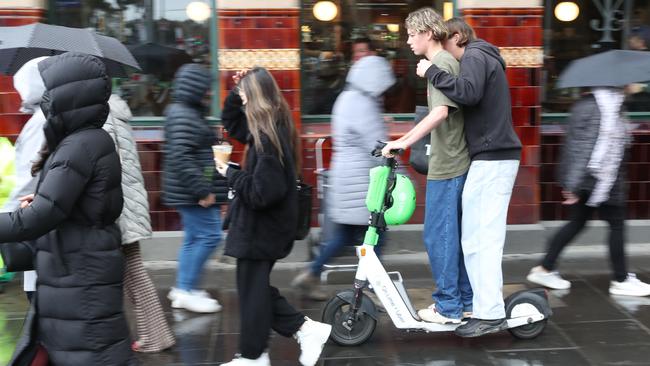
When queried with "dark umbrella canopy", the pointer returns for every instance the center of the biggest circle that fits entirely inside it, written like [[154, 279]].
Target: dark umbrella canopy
[[159, 60], [613, 68], [21, 44]]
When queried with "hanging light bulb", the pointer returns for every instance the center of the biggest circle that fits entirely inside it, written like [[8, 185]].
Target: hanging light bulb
[[325, 11], [567, 11]]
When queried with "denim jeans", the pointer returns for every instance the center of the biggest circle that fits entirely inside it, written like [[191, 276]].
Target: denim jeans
[[202, 234], [485, 209], [340, 235], [442, 219]]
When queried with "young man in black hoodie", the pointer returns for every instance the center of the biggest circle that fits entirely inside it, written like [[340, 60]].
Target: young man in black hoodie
[[494, 148]]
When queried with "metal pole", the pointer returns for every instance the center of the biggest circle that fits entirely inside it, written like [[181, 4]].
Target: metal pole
[[627, 18], [214, 60]]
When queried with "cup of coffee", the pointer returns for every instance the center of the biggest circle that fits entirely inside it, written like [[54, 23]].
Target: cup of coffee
[[222, 152]]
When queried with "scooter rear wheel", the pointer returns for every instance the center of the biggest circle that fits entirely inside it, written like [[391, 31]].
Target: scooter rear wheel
[[532, 330], [336, 313]]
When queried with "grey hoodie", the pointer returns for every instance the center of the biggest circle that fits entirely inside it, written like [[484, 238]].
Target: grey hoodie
[[482, 89]]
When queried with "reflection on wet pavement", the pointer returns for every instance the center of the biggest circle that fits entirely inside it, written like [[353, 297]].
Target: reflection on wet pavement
[[588, 327]]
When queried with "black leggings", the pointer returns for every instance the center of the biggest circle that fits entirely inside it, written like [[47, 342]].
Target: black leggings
[[580, 213]]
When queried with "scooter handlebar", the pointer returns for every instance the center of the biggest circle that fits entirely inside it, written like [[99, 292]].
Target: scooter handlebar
[[376, 152]]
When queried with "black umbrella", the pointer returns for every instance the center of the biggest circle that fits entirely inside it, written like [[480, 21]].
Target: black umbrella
[[611, 68], [159, 60], [21, 44]]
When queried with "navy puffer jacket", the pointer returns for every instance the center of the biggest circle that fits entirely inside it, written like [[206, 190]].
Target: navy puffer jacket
[[189, 173], [79, 316]]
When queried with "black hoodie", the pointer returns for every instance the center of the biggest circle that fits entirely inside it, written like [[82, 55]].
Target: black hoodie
[[482, 89]]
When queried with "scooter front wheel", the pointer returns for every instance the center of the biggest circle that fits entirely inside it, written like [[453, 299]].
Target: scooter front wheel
[[336, 313]]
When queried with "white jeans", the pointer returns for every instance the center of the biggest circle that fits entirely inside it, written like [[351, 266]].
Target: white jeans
[[485, 206]]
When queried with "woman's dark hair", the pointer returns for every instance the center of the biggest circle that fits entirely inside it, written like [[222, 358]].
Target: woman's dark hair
[[43, 154], [464, 30]]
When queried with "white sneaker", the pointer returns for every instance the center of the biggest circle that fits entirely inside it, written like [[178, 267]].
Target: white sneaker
[[551, 280], [632, 286], [312, 336], [174, 292], [194, 303], [432, 316], [263, 360]]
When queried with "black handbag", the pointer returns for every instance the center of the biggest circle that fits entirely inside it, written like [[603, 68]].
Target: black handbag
[[304, 209], [419, 158], [18, 257]]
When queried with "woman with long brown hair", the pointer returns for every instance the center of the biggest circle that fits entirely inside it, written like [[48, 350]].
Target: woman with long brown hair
[[263, 214]]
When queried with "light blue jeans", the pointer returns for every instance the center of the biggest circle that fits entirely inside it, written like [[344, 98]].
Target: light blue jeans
[[485, 209], [202, 235], [442, 219]]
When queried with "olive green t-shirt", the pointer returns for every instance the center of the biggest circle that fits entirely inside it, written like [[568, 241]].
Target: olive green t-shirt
[[449, 157]]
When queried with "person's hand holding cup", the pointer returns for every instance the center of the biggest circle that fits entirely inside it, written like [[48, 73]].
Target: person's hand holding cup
[[222, 154]]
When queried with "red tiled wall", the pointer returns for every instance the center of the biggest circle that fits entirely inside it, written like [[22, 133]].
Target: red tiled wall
[[638, 175], [11, 121], [519, 28]]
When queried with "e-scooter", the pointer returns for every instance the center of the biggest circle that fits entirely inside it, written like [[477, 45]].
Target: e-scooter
[[353, 316]]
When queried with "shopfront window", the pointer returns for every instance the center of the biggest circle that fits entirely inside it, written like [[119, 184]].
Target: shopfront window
[[574, 38], [328, 49], [159, 33]]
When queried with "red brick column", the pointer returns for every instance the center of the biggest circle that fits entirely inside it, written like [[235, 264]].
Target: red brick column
[[12, 121], [516, 27]]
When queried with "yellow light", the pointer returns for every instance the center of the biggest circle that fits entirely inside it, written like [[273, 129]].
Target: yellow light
[[392, 27], [363, 252], [198, 11], [447, 10], [325, 11], [567, 11]]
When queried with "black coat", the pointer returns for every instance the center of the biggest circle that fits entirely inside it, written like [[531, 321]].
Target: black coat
[[189, 173], [79, 315], [263, 214], [581, 136]]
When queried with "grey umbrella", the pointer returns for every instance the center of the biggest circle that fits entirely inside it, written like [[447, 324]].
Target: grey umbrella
[[21, 44], [611, 68]]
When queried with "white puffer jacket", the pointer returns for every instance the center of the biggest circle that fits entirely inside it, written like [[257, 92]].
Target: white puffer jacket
[[134, 222]]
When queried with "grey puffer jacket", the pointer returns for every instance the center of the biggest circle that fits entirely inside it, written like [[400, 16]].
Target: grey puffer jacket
[[581, 136], [135, 222], [357, 124]]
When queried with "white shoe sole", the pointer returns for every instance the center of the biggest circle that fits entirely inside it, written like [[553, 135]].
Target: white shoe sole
[[629, 293]]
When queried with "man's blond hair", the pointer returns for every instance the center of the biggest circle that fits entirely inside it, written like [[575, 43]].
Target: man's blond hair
[[427, 19]]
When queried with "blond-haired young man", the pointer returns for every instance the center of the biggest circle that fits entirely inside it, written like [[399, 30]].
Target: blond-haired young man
[[482, 89], [448, 166]]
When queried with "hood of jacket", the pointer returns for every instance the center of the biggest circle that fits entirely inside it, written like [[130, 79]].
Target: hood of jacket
[[191, 83], [66, 109], [29, 84], [488, 49], [119, 108], [371, 74]]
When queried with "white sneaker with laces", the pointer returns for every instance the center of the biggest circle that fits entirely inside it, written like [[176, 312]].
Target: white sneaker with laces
[[195, 303], [431, 315], [552, 280], [632, 286], [263, 360], [312, 336]]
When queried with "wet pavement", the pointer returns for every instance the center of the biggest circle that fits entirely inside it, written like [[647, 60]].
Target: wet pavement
[[588, 327]]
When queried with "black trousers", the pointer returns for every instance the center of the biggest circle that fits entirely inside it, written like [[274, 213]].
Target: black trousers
[[580, 213], [262, 308]]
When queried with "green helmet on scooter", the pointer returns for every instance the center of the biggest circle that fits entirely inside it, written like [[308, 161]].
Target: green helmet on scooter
[[403, 201]]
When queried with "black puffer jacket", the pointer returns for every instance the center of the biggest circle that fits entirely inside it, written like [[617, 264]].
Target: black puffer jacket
[[79, 313], [189, 173], [263, 215]]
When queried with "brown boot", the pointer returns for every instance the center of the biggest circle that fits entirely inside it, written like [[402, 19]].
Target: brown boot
[[305, 280]]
